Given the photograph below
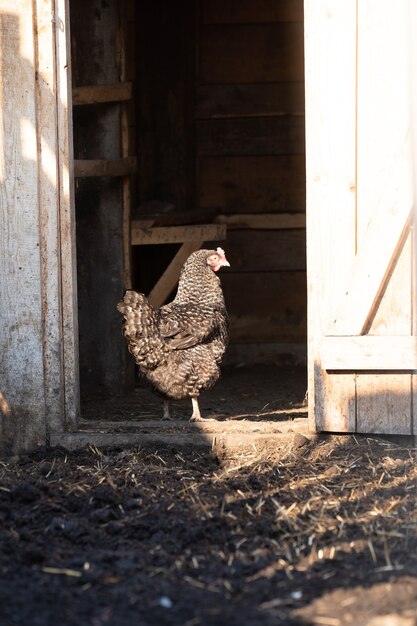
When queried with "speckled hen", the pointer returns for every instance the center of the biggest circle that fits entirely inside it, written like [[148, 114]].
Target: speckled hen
[[179, 347]]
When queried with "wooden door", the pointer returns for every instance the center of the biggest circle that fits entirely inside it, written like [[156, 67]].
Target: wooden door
[[360, 226]]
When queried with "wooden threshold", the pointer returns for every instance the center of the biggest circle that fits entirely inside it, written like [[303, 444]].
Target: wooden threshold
[[226, 435]]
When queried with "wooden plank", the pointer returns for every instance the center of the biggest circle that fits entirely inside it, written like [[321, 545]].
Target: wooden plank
[[266, 250], [370, 352], [86, 168], [275, 53], [250, 136], [95, 94], [246, 100], [247, 11], [22, 384], [126, 147], [197, 439], [46, 108], [273, 309], [177, 234], [384, 402], [355, 302], [251, 184], [169, 279], [330, 52], [267, 221], [67, 215]]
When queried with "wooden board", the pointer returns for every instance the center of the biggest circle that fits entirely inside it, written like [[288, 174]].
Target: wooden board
[[176, 234], [94, 94], [241, 11], [67, 215], [251, 136], [330, 39], [87, 168], [22, 382], [246, 100], [273, 309], [263, 221], [384, 401], [252, 183], [251, 53]]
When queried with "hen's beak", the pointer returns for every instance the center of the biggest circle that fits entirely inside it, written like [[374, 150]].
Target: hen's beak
[[221, 263]]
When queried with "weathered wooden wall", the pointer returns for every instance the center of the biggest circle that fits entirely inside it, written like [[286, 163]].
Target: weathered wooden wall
[[100, 145], [361, 239], [250, 158], [38, 374]]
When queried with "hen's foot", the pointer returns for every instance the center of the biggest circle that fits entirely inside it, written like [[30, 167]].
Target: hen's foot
[[167, 414], [199, 418]]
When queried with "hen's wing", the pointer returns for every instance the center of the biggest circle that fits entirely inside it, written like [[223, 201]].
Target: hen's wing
[[185, 327]]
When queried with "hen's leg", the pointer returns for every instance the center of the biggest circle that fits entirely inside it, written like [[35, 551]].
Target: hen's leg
[[167, 414], [196, 416]]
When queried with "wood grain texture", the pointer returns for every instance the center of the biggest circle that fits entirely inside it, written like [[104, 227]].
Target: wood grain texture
[[49, 200], [250, 136], [22, 382], [246, 100], [94, 94], [384, 401], [247, 11], [176, 234], [254, 184], [67, 215], [90, 168], [263, 221], [251, 53], [330, 39]]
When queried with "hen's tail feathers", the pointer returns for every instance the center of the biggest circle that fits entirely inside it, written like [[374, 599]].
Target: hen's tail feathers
[[141, 330]]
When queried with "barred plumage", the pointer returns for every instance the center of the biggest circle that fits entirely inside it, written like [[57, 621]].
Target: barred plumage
[[179, 347]]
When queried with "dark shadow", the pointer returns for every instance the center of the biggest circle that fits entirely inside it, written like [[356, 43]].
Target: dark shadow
[[172, 535]]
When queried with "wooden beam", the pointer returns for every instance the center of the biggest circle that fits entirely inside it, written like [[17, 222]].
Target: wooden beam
[[369, 352], [265, 221], [357, 301], [96, 94], [169, 279], [177, 234], [97, 167]]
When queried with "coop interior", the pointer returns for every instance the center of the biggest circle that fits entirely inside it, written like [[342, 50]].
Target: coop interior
[[188, 120]]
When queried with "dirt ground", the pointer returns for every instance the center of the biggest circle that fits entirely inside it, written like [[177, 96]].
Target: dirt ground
[[317, 531]]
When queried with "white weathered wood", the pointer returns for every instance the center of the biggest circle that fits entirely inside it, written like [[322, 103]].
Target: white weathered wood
[[369, 352], [382, 295], [330, 53], [412, 45], [67, 214], [177, 234], [356, 301], [21, 336], [46, 107]]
